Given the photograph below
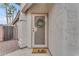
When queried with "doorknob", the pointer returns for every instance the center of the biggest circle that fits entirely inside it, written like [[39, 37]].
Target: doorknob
[[34, 29]]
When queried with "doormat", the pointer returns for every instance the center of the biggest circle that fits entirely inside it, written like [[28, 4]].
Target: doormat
[[39, 50]]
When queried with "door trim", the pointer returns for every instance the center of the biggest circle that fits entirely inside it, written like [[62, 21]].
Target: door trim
[[33, 15]]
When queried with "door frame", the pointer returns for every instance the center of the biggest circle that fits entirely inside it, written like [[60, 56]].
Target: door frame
[[39, 46]]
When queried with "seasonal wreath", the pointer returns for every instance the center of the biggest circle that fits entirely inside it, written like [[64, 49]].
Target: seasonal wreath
[[40, 23]]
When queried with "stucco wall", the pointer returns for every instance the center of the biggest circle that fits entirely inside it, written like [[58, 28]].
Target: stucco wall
[[72, 29], [22, 30], [40, 8], [26, 27], [56, 18], [63, 29]]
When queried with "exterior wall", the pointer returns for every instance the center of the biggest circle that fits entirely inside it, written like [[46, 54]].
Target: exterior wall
[[40, 8], [63, 29], [22, 41], [72, 29], [56, 18], [26, 29], [22, 29]]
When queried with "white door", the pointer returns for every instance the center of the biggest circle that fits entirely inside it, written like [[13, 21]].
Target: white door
[[39, 30]]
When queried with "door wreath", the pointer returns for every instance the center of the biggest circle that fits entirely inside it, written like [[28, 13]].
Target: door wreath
[[40, 23]]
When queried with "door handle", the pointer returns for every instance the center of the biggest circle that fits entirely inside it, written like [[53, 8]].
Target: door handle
[[34, 29]]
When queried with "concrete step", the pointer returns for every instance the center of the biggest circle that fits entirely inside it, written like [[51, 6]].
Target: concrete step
[[27, 52]]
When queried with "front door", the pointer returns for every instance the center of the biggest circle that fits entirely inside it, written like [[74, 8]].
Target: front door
[[39, 30]]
